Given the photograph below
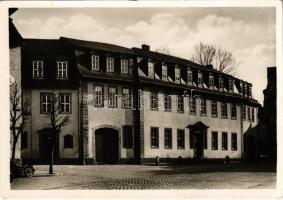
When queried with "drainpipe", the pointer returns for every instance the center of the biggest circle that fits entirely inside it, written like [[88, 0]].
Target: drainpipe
[[242, 135]]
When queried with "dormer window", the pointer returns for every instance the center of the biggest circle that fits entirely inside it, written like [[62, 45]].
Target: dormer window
[[95, 62], [220, 83], [177, 75], [190, 77], [231, 85], [211, 81], [62, 70], [150, 69], [110, 64], [250, 90], [245, 89], [241, 87], [37, 69], [124, 66], [200, 79], [164, 73]]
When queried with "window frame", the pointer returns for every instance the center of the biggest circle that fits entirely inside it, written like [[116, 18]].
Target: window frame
[[61, 71], [224, 140], [226, 110], [156, 137], [70, 103], [167, 102], [231, 85], [221, 84], [233, 111], [214, 141], [244, 112], [216, 108], [190, 77], [169, 146], [234, 140], [110, 64], [127, 98], [200, 79], [177, 74], [211, 81], [39, 72], [95, 63], [182, 138], [180, 103], [124, 66], [203, 104], [164, 75], [152, 107], [253, 114], [115, 98], [46, 103], [101, 99], [151, 70], [193, 104]]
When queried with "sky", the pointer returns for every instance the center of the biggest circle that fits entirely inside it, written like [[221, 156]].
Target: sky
[[249, 33]]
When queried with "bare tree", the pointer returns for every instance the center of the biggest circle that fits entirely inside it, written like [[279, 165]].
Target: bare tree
[[221, 59], [57, 122], [204, 54], [19, 115]]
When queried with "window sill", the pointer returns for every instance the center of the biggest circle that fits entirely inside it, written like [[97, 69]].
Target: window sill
[[62, 79], [154, 109], [167, 147], [181, 148], [167, 110], [214, 116], [154, 147], [37, 78], [203, 115], [234, 118], [181, 112], [223, 117]]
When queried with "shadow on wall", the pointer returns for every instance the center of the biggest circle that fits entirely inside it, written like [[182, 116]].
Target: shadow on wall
[[251, 147]]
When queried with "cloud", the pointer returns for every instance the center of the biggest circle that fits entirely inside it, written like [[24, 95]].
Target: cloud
[[253, 44]]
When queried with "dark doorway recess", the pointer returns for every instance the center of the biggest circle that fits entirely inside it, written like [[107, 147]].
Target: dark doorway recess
[[45, 144], [106, 146], [198, 131]]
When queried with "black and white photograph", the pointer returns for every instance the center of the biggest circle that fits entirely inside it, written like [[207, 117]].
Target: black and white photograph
[[142, 97]]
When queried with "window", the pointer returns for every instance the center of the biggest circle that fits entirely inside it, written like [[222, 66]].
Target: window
[[180, 103], [24, 140], [233, 111], [214, 140], [112, 93], [95, 62], [250, 90], [192, 140], [65, 103], [150, 69], [124, 66], [167, 102], [154, 137], [46, 100], [154, 100], [224, 141], [213, 108], [200, 79], [127, 137], [234, 141], [37, 69], [249, 113], [68, 142], [62, 70], [192, 102], [221, 83], [211, 81], [223, 110], [244, 114], [203, 106], [245, 89], [167, 138], [164, 72], [190, 77], [180, 139], [98, 96], [110, 64], [253, 114], [231, 85], [127, 98], [177, 75], [241, 87]]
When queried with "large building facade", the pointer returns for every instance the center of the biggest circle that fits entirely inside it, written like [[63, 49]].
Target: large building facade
[[132, 105]]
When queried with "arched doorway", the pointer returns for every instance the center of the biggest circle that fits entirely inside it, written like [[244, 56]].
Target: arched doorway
[[45, 144], [106, 146]]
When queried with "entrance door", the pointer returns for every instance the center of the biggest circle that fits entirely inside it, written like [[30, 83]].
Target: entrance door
[[45, 144], [106, 145], [198, 144]]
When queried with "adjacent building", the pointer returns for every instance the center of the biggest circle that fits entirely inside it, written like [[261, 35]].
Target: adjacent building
[[132, 105]]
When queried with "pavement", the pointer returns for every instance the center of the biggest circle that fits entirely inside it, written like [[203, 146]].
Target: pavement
[[195, 176]]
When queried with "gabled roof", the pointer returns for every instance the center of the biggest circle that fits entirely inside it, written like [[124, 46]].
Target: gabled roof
[[15, 38], [97, 46]]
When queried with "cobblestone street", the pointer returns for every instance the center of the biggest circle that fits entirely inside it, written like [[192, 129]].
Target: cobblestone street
[[210, 176]]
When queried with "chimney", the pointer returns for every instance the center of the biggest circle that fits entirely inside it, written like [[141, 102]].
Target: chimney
[[209, 66], [145, 47]]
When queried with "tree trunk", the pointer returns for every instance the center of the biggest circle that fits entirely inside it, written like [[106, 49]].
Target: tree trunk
[[14, 150]]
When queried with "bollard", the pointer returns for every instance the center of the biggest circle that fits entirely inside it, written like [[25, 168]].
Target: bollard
[[157, 160]]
